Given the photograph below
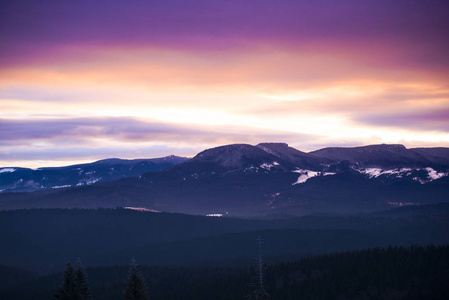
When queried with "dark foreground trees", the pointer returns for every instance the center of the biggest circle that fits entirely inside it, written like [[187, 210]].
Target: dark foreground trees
[[136, 288], [74, 285], [396, 273]]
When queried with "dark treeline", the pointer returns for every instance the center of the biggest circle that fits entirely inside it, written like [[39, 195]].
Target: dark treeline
[[381, 273], [43, 240], [393, 273]]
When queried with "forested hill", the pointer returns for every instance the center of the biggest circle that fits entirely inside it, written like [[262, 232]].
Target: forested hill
[[389, 273], [43, 240]]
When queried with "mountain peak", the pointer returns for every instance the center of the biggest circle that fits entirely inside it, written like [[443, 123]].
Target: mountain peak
[[242, 156], [291, 156], [383, 155], [383, 147], [281, 145], [234, 156]]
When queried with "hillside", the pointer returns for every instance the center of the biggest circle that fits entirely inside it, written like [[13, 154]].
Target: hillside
[[42, 240], [14, 179], [269, 178]]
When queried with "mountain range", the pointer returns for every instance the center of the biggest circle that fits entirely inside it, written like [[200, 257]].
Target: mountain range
[[269, 178], [13, 179], [301, 204]]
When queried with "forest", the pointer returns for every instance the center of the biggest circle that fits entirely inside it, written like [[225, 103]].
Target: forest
[[415, 272]]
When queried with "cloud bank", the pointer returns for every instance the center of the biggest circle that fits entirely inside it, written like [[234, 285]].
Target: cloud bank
[[83, 79]]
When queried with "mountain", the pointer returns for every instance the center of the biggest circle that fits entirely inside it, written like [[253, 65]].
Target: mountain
[[269, 178], [227, 159], [242, 157], [387, 156], [28, 180], [293, 157]]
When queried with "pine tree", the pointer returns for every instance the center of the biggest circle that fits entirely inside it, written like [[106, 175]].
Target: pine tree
[[74, 285], [67, 290], [135, 286], [81, 288], [260, 292]]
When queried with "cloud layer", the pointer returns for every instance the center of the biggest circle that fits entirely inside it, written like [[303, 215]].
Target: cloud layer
[[137, 77], [96, 138]]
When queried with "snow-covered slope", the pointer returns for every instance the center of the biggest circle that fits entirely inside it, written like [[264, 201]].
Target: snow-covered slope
[[22, 179], [271, 177]]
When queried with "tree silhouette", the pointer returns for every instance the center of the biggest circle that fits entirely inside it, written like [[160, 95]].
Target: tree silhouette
[[74, 285], [81, 287], [67, 289], [136, 288], [260, 292]]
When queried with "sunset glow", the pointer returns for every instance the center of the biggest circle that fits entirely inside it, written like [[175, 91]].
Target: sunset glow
[[82, 81]]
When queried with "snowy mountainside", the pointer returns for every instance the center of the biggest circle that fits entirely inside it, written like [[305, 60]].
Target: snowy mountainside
[[269, 178], [387, 156], [388, 163], [28, 180]]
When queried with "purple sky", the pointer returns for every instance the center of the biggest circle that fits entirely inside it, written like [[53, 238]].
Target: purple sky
[[86, 80]]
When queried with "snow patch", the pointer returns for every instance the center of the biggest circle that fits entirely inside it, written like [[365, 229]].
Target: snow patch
[[303, 178], [372, 172], [403, 172], [434, 175], [269, 166], [88, 181], [419, 179], [249, 169], [141, 209], [61, 186], [7, 170], [375, 172], [306, 174], [399, 204]]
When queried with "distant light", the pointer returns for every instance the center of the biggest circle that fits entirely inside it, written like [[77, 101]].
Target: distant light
[[214, 215]]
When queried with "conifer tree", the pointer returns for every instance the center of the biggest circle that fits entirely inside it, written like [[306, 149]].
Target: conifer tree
[[81, 287], [74, 285], [67, 289], [135, 286], [260, 293]]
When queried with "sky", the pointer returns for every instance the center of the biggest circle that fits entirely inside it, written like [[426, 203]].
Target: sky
[[87, 80]]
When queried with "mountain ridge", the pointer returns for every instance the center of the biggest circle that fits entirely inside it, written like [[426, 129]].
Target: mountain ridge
[[247, 180], [386, 155], [14, 179]]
